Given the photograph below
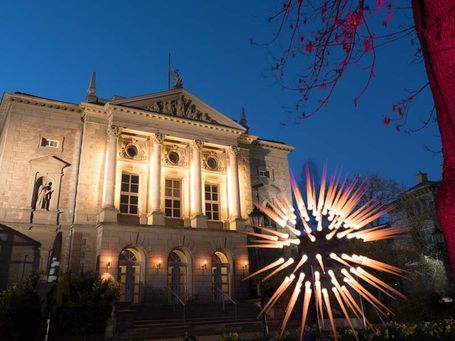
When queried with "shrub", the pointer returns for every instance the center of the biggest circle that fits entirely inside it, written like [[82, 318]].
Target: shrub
[[230, 337], [20, 306], [423, 306], [81, 303], [189, 337]]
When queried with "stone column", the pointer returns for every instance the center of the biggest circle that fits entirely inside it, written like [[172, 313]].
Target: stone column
[[155, 215], [108, 212], [197, 217], [235, 219]]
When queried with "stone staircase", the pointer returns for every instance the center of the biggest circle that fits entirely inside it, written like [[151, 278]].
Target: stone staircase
[[162, 321]]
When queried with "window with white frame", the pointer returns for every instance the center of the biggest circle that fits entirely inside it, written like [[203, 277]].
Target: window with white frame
[[173, 198], [45, 142], [129, 194], [212, 202]]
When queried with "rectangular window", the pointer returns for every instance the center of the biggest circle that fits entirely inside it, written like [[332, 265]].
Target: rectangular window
[[129, 194], [212, 202], [264, 174], [172, 198], [49, 143]]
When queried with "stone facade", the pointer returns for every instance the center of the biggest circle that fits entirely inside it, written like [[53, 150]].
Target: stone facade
[[150, 191], [424, 245]]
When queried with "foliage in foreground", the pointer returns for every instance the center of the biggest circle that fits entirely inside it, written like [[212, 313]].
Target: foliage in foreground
[[81, 303], [424, 331], [20, 306]]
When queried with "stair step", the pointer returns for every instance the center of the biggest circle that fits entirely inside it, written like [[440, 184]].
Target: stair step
[[162, 321], [208, 323], [148, 324]]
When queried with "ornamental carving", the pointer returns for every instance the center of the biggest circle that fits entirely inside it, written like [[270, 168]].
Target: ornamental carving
[[113, 130], [234, 151], [199, 144], [158, 137], [180, 107], [133, 149], [175, 155], [213, 161]]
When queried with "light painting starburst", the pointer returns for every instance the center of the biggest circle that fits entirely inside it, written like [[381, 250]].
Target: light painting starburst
[[334, 217]]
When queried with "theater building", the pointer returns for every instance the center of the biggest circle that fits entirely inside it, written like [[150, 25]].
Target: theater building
[[149, 190]]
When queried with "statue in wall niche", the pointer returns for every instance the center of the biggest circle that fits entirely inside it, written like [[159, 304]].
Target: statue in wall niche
[[44, 196]]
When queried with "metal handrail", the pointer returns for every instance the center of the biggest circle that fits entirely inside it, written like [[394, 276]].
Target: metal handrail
[[230, 299], [180, 301]]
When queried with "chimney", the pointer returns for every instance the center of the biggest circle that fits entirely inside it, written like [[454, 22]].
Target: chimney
[[421, 177]]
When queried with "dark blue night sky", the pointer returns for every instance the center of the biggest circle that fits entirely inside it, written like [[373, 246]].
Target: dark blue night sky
[[50, 48]]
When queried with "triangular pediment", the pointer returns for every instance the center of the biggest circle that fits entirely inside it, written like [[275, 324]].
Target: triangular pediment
[[179, 103]]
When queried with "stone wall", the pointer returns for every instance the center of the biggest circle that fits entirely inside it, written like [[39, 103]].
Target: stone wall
[[264, 157], [155, 244], [91, 173], [25, 126]]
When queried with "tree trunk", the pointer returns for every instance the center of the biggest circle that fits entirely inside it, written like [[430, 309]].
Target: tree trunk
[[435, 26]]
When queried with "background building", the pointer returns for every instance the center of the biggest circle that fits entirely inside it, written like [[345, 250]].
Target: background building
[[424, 250], [149, 190]]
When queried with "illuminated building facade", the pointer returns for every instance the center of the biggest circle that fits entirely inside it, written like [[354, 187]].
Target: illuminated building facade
[[148, 190]]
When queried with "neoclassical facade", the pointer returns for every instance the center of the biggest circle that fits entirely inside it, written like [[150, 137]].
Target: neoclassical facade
[[150, 190]]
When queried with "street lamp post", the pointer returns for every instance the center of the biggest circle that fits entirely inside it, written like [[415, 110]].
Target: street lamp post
[[257, 219]]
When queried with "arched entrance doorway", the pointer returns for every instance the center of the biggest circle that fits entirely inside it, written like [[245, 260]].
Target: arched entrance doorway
[[129, 272], [177, 275], [220, 276]]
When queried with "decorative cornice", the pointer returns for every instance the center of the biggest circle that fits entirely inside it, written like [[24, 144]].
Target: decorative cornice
[[275, 145], [175, 119], [42, 102]]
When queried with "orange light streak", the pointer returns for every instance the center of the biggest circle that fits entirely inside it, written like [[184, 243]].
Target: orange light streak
[[260, 235], [329, 312], [369, 281], [291, 303], [278, 292], [322, 188], [317, 287], [267, 267], [276, 245], [365, 294], [338, 259], [300, 263], [298, 197], [345, 292], [306, 304], [321, 263], [343, 309], [280, 268], [377, 280], [330, 235], [276, 233]]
